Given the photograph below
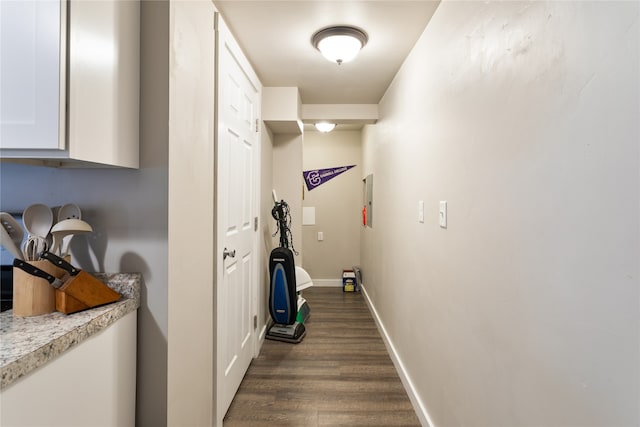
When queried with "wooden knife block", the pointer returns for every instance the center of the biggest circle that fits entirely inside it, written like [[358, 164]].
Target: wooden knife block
[[83, 291]]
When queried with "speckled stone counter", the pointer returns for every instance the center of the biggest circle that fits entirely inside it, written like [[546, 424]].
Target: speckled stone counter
[[27, 343]]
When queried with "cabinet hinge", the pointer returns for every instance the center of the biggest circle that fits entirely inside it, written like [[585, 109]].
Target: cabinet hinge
[[255, 321], [257, 125], [255, 224]]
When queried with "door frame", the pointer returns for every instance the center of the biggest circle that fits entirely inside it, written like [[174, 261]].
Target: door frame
[[223, 35]]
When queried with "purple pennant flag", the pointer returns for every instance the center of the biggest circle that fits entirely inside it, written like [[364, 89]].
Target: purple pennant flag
[[317, 177]]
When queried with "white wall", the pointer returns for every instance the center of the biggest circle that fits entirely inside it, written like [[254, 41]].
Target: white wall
[[128, 211], [525, 310], [192, 326], [267, 226], [191, 352], [338, 205], [151, 398], [287, 181]]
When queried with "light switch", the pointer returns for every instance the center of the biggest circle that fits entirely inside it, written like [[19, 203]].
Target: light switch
[[443, 214], [320, 236], [420, 210]]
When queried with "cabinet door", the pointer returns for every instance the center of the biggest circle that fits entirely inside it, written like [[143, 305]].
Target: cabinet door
[[104, 82], [32, 76]]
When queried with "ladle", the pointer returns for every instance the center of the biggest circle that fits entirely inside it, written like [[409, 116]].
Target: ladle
[[69, 211], [37, 220], [11, 234], [63, 232]]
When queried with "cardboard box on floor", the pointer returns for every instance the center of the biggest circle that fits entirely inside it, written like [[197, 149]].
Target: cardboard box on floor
[[348, 281]]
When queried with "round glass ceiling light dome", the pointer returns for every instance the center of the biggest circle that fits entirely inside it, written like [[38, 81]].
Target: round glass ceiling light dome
[[340, 43], [325, 126]]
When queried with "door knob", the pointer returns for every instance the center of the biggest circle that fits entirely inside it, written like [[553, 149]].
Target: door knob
[[227, 253]]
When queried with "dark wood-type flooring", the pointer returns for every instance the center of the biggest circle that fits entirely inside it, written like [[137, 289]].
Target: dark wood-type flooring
[[339, 375]]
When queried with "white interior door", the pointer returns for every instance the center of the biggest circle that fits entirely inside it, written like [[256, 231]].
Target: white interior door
[[237, 161]]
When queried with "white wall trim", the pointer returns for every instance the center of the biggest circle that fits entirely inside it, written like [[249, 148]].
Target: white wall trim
[[340, 113], [418, 406], [261, 337], [327, 283]]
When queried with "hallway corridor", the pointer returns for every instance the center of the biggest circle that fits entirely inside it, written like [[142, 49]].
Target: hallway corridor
[[339, 375]]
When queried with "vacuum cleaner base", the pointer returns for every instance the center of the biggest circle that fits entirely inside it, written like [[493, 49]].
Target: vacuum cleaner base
[[303, 310], [287, 333]]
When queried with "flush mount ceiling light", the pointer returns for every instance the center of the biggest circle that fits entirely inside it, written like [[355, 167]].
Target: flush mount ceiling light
[[340, 43], [325, 127]]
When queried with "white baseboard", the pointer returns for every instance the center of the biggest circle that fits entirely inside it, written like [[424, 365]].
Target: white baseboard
[[327, 283], [418, 406], [261, 337]]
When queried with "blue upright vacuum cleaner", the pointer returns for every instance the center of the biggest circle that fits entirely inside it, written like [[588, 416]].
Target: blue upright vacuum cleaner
[[283, 298]]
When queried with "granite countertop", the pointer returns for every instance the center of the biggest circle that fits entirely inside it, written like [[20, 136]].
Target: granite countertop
[[27, 343]]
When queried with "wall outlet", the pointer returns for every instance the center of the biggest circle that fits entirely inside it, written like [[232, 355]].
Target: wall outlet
[[443, 214]]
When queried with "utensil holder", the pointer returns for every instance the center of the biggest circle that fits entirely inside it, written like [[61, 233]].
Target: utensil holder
[[33, 296]]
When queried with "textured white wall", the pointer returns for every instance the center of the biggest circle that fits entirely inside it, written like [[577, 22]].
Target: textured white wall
[[523, 116], [192, 328], [267, 225], [287, 181], [338, 204], [191, 380]]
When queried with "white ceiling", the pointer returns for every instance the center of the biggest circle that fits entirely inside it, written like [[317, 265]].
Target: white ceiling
[[276, 38]]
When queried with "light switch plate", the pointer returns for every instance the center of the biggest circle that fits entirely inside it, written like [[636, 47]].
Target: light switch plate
[[443, 214], [320, 236], [420, 210]]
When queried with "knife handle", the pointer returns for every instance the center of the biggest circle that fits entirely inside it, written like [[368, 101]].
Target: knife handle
[[59, 262], [33, 270]]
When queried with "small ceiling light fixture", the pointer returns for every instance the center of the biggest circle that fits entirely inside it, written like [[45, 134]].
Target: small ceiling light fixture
[[340, 43], [325, 127]]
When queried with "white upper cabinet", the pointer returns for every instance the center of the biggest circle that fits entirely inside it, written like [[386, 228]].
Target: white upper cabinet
[[70, 82], [32, 74]]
